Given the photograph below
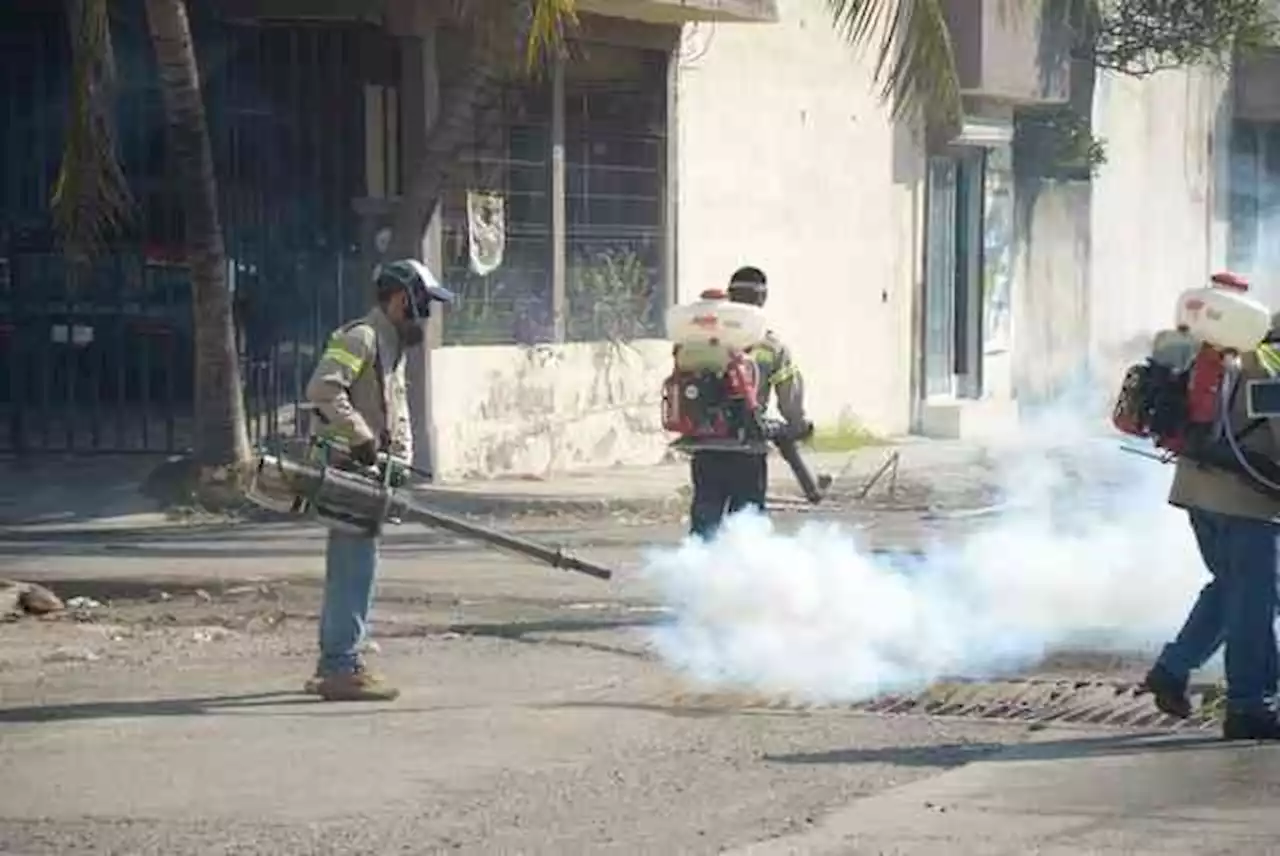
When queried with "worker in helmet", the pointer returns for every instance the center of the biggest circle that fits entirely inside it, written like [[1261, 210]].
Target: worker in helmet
[[359, 394], [1237, 530], [727, 481]]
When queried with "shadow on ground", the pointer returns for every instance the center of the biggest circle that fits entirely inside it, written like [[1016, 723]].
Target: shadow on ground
[[148, 707], [229, 540], [1111, 745], [255, 704]]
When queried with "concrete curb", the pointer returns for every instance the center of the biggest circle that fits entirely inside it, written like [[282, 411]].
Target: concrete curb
[[497, 504]]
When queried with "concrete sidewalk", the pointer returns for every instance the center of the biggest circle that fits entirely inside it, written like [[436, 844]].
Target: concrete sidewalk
[[924, 467], [106, 492], [1139, 796]]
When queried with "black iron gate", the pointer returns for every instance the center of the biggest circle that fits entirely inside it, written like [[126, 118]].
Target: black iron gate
[[105, 362]]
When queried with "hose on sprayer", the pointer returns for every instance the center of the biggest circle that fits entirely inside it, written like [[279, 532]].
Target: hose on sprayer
[[1231, 377]]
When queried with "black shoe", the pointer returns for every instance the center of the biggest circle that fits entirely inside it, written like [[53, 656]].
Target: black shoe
[[1251, 726], [1168, 692]]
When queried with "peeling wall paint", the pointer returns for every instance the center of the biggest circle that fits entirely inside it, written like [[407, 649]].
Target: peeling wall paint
[[534, 410]]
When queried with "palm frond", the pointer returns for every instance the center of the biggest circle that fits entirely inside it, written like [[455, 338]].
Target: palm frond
[[530, 34], [915, 62], [91, 196], [549, 26]]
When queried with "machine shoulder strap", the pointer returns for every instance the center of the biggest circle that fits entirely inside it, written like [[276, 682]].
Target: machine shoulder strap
[[1269, 358]]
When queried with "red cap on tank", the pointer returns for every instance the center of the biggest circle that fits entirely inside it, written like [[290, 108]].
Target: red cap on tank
[[1227, 279], [713, 294]]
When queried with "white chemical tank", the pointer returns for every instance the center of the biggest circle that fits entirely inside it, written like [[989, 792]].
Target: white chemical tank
[[716, 321], [1223, 315]]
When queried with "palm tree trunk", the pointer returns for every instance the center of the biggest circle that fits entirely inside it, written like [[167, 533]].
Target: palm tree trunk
[[221, 445]]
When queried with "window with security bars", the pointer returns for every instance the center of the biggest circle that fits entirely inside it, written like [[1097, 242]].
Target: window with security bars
[[615, 153], [614, 109], [1254, 246], [510, 155]]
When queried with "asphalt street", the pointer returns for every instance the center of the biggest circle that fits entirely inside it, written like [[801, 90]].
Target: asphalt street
[[163, 716]]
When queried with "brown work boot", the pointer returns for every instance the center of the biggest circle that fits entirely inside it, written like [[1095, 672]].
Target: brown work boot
[[360, 685], [312, 686]]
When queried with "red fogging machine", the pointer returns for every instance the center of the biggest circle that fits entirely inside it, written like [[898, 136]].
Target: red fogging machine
[[1180, 398], [711, 399]]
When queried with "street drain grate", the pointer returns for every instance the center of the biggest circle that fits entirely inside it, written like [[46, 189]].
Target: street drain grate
[[1092, 702]]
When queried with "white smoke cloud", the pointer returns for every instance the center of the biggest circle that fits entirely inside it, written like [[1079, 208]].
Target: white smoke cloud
[[1086, 554]]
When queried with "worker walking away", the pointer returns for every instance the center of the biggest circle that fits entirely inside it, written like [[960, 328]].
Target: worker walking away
[[1215, 408], [359, 393], [1235, 526], [728, 477]]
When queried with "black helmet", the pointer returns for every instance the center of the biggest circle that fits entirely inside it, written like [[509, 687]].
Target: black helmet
[[748, 285], [414, 277]]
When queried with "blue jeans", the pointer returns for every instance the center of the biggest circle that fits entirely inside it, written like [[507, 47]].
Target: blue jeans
[[1236, 608], [350, 562]]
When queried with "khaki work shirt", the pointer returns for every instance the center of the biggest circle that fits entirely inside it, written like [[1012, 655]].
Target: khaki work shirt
[[359, 386], [1225, 492]]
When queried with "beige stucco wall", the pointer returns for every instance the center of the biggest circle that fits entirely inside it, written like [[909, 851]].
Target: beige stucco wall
[[788, 161], [785, 160], [1159, 216], [520, 410]]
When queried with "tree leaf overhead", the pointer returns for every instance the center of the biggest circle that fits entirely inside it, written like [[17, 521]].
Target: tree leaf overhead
[[548, 30], [916, 64], [915, 59]]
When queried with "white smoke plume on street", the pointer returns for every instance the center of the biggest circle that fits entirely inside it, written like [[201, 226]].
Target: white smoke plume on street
[[1086, 554]]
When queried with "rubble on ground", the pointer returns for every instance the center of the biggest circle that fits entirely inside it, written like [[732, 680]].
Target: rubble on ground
[[19, 598]]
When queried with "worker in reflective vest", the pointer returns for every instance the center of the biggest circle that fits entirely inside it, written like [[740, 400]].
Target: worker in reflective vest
[[727, 481], [359, 394], [1237, 530]]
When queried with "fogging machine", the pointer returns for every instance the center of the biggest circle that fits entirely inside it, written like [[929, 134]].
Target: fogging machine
[[343, 495]]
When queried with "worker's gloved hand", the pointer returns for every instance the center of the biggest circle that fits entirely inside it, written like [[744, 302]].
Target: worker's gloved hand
[[804, 431], [397, 473], [365, 454]]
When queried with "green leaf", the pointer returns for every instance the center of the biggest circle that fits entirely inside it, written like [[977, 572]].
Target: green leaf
[[915, 60]]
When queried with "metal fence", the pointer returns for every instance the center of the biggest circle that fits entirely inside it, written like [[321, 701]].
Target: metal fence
[[105, 363], [614, 137], [103, 360]]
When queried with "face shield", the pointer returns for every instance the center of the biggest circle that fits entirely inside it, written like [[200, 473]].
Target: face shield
[[422, 289], [745, 291]]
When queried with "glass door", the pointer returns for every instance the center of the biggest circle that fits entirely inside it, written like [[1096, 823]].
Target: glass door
[[940, 280]]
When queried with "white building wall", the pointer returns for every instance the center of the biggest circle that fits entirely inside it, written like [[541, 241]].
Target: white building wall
[[1159, 212], [786, 161]]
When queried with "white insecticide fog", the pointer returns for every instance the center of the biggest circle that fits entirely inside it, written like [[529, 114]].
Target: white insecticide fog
[[1085, 555]]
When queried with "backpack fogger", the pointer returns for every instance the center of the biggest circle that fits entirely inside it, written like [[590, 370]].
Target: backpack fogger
[[1181, 397], [712, 398]]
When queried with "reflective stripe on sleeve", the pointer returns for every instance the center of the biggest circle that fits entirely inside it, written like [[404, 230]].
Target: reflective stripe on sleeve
[[1269, 358], [342, 357]]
